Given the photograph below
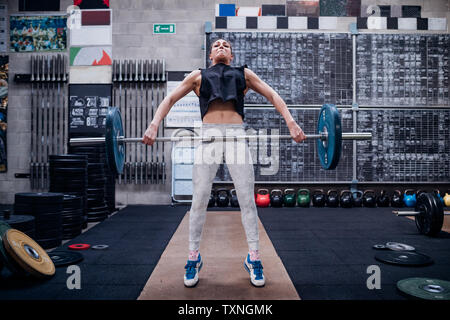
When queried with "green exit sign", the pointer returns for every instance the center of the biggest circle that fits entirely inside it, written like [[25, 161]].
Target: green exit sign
[[166, 28]]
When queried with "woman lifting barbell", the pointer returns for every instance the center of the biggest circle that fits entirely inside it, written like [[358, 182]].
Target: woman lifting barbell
[[221, 89]]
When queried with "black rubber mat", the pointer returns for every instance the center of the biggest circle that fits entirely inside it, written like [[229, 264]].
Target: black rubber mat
[[136, 236], [327, 251]]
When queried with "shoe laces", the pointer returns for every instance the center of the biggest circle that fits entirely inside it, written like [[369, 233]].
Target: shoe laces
[[190, 268], [257, 269]]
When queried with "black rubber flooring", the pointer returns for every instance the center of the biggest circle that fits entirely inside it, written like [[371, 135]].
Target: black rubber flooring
[[326, 252], [136, 236]]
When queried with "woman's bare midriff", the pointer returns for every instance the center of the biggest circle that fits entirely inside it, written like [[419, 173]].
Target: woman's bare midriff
[[222, 112]]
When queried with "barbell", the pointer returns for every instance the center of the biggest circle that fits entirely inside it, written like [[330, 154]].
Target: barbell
[[428, 215], [329, 138]]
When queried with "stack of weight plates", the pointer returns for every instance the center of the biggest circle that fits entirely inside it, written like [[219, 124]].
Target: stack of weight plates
[[46, 209], [97, 155], [24, 223], [97, 208], [68, 175], [72, 216]]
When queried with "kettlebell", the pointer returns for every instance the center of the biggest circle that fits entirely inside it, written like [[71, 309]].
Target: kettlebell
[[262, 198], [438, 194], [357, 198], [332, 198], [212, 199], [409, 198], [369, 199], [383, 199], [223, 198], [345, 198], [303, 198], [234, 199], [276, 198], [447, 199], [318, 198], [289, 198], [396, 200]]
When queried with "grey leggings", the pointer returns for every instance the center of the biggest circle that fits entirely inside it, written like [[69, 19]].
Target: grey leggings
[[208, 157]]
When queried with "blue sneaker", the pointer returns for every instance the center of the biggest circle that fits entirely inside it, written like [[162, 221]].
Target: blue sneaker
[[192, 270], [255, 269]]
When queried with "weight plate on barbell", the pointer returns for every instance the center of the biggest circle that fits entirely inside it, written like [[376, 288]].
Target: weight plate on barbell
[[115, 151], [424, 288], [431, 217], [329, 150]]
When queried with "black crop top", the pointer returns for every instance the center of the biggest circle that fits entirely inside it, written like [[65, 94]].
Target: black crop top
[[223, 82]]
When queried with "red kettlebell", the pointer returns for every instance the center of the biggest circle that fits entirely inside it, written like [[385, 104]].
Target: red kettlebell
[[263, 198]]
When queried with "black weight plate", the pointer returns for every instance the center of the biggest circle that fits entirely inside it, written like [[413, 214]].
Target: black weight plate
[[79, 159], [49, 233], [71, 213], [63, 258], [37, 210], [96, 202], [73, 220], [96, 196], [98, 209], [71, 198], [74, 217], [49, 243], [68, 171], [67, 182], [71, 229], [425, 288], [66, 156], [94, 149], [96, 167], [72, 209], [38, 198], [95, 190], [96, 176], [431, 219], [19, 222], [68, 164], [405, 258], [72, 188]]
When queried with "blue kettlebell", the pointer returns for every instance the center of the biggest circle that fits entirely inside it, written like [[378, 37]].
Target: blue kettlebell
[[409, 199], [438, 194]]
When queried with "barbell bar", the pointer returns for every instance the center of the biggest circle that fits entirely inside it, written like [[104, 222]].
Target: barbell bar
[[413, 213], [121, 139], [329, 138]]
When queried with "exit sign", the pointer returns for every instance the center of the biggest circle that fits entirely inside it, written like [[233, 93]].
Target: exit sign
[[167, 28]]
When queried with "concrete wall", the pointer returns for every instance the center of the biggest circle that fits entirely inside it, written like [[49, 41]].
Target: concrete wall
[[133, 39]]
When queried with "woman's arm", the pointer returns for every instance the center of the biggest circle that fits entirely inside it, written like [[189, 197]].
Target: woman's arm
[[255, 83], [187, 85]]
